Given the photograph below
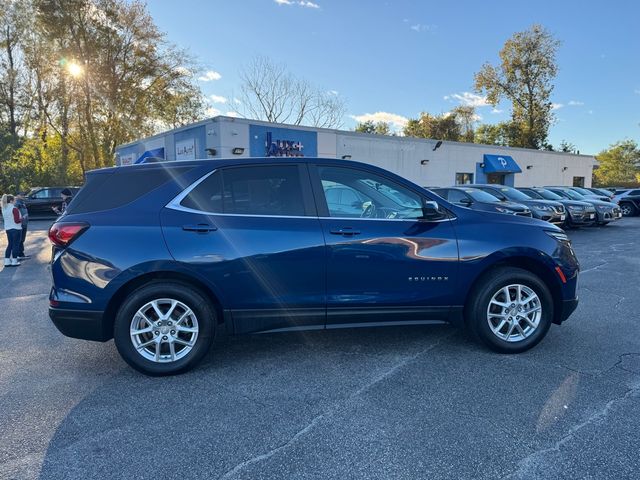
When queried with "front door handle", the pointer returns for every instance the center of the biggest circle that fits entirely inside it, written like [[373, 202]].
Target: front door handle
[[199, 228], [345, 231]]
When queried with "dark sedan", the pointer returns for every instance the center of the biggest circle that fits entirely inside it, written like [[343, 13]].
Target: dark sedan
[[547, 210], [41, 201], [578, 213], [479, 200]]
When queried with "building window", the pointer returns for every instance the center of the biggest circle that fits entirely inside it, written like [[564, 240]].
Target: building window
[[464, 178], [578, 182]]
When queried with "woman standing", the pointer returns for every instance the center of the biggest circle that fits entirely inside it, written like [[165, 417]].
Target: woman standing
[[13, 227]]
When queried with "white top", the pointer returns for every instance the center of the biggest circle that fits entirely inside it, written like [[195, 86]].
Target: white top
[[9, 221]]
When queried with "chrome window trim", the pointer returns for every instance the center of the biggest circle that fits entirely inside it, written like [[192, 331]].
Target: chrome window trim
[[175, 205]]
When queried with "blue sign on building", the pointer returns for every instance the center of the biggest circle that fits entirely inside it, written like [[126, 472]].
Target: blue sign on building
[[282, 142]]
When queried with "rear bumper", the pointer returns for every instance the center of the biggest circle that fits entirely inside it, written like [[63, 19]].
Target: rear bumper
[[83, 324]]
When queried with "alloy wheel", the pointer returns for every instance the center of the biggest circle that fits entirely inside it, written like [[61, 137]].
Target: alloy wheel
[[514, 313], [164, 330]]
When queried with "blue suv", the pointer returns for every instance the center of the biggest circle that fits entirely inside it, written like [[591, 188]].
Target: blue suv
[[163, 257]]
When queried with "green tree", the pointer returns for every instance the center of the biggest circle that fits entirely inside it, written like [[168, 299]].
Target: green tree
[[369, 126], [525, 77], [494, 134], [619, 164]]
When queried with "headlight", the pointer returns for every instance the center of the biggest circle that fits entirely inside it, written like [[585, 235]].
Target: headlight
[[560, 236], [542, 208], [505, 210]]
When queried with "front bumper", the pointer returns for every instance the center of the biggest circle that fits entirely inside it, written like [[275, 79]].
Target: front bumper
[[581, 217], [83, 324], [566, 309]]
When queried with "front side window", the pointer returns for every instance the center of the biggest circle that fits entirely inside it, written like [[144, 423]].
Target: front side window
[[374, 196], [256, 190], [464, 178], [44, 193]]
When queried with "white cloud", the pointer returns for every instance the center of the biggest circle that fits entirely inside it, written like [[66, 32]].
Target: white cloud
[[556, 106], [183, 71], [396, 121], [236, 101], [232, 114], [496, 110], [209, 76], [468, 99], [212, 112], [300, 3], [218, 99], [333, 92], [420, 27], [575, 103]]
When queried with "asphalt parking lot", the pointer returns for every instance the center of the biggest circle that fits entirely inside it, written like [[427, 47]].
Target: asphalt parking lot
[[418, 402]]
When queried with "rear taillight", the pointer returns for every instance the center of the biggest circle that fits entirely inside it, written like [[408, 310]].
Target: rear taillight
[[62, 234]]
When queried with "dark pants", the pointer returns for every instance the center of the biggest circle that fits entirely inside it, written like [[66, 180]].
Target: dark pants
[[13, 240], [23, 237]]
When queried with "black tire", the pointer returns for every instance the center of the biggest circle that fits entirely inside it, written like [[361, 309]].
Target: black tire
[[628, 209], [193, 299], [478, 304]]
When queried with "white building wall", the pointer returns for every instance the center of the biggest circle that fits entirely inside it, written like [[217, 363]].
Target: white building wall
[[406, 156]]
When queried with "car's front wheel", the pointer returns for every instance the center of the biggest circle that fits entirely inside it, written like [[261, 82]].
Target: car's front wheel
[[510, 310], [628, 209], [164, 328]]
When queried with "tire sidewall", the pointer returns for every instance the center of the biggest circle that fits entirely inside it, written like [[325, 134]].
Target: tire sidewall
[[477, 317], [195, 300]]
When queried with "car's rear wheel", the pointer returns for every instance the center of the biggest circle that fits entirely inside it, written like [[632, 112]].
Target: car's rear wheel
[[627, 209], [510, 310], [164, 328]]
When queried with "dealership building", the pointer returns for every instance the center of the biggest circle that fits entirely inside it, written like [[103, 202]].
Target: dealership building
[[427, 162]]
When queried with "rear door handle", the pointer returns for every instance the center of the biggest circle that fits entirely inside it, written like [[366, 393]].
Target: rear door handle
[[345, 231], [200, 228]]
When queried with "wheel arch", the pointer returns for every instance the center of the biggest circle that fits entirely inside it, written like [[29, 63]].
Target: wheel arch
[[532, 265], [144, 279]]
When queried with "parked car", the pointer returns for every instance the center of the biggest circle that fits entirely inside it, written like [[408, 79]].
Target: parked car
[[170, 255], [547, 210], [578, 213], [602, 191], [588, 193], [480, 200], [606, 212], [41, 201], [629, 201]]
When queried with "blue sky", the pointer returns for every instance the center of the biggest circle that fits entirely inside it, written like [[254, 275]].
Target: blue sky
[[390, 60]]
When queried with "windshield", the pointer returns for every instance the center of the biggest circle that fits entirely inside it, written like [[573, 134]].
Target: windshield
[[513, 194], [480, 196], [547, 194], [582, 191], [532, 194], [573, 194]]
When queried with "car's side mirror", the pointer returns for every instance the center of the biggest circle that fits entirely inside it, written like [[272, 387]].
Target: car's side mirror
[[466, 202], [431, 210]]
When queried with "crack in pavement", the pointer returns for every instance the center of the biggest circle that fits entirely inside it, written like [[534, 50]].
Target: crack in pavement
[[594, 268], [538, 457], [331, 411]]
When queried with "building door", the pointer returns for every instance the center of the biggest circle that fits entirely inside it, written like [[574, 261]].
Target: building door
[[578, 182], [495, 178]]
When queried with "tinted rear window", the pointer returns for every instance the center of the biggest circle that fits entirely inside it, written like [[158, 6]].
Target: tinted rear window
[[256, 190], [104, 191]]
